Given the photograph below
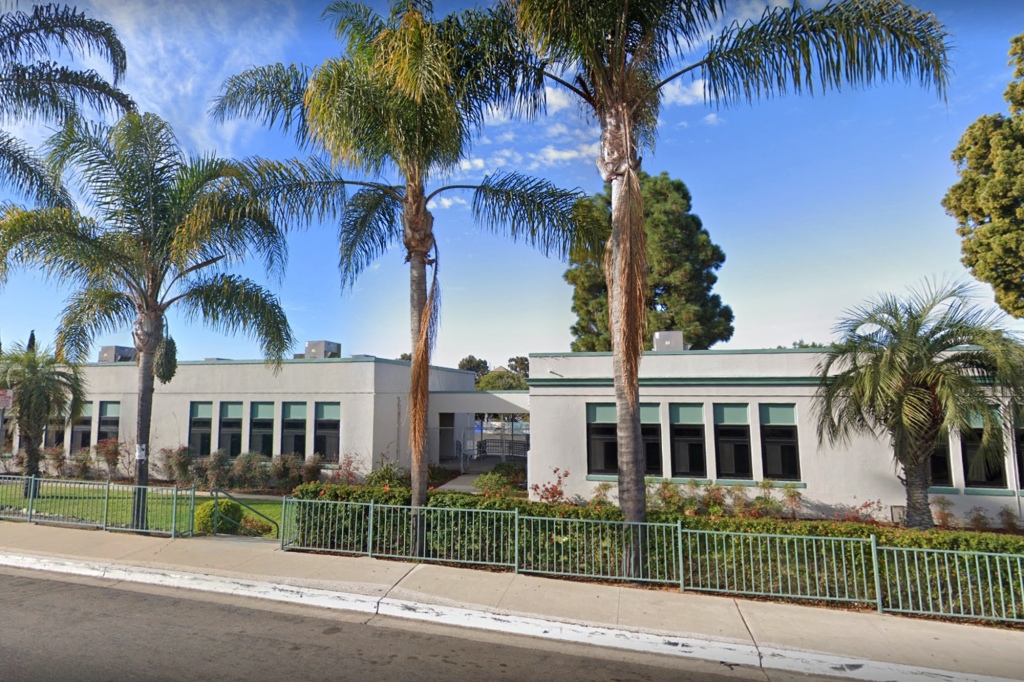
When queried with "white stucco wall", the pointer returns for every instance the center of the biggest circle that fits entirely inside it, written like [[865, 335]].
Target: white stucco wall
[[832, 477], [372, 393]]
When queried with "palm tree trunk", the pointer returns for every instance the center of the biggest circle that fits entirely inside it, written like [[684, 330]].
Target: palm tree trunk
[[625, 267], [148, 331], [31, 438], [918, 477], [418, 234]]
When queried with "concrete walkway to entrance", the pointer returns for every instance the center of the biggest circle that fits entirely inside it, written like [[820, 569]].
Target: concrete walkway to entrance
[[854, 645]]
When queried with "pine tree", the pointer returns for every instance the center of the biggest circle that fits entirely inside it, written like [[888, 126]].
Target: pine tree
[[681, 261]]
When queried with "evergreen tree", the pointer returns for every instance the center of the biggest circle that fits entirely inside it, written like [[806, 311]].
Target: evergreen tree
[[681, 262], [471, 363]]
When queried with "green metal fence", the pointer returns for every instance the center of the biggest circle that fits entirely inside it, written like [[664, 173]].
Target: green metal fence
[[793, 566], [97, 504], [975, 585], [899, 580]]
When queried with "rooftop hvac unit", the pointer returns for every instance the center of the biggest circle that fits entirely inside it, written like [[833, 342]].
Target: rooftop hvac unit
[[669, 341], [323, 349], [116, 354]]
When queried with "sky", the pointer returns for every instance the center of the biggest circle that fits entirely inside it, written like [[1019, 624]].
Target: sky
[[818, 202]]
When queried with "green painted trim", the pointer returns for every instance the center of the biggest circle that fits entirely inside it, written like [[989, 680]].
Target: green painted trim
[[943, 490], [729, 482], [782, 484], [681, 381], [989, 492], [471, 391], [286, 361], [684, 481], [605, 478], [722, 351]]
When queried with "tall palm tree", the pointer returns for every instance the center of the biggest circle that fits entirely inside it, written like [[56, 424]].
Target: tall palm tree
[[162, 230], [917, 369], [34, 88], [405, 100], [617, 57], [45, 391]]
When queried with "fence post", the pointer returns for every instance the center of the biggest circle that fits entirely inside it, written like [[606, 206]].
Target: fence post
[[106, 504], [515, 547], [31, 496], [878, 572], [679, 554], [174, 513], [369, 535], [284, 519], [216, 510], [192, 513]]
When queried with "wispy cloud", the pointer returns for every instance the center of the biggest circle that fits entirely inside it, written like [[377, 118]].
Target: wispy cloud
[[446, 203], [556, 99], [713, 120], [680, 92], [554, 156]]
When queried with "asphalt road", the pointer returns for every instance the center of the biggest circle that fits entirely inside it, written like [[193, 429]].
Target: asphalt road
[[60, 628]]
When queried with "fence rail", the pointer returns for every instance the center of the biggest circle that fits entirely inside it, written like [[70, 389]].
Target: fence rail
[[98, 504], [900, 580]]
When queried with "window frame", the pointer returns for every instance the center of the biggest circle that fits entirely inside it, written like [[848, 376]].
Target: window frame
[[767, 440], [720, 441], [973, 438]]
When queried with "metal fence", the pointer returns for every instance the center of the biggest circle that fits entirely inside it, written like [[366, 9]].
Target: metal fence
[[899, 580], [98, 504]]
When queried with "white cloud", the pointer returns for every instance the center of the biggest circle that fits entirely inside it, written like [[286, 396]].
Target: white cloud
[[556, 99], [446, 202], [554, 156], [713, 120], [557, 130], [679, 92], [506, 137], [496, 117], [472, 163], [181, 52]]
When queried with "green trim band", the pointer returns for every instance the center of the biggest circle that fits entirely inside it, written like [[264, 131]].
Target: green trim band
[[614, 478], [681, 381], [722, 351], [943, 490], [684, 481], [782, 484], [989, 492], [729, 482]]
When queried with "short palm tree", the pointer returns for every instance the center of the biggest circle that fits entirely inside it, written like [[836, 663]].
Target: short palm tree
[[916, 369], [617, 57], [34, 88], [45, 391], [407, 98], [162, 229]]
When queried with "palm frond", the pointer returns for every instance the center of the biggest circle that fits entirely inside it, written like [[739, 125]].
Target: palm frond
[[22, 171], [29, 36], [355, 24], [274, 95], [90, 313], [50, 91], [368, 229], [233, 304], [797, 48]]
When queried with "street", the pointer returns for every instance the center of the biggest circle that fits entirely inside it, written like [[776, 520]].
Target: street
[[60, 628]]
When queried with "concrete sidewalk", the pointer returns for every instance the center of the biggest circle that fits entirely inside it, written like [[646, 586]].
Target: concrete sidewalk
[[856, 645]]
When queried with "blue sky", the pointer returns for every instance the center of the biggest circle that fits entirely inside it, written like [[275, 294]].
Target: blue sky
[[818, 202]]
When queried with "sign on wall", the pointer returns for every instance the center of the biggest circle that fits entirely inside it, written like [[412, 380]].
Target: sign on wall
[[6, 398]]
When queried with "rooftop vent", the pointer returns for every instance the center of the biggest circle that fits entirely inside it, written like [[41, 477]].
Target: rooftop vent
[[669, 341], [110, 354], [322, 349]]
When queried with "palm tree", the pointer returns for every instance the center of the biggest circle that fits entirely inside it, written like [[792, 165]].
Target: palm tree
[[36, 89], [164, 227], [917, 369], [617, 57], [45, 391], [406, 99]]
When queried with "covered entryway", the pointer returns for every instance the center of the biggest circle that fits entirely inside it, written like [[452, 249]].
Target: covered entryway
[[473, 430]]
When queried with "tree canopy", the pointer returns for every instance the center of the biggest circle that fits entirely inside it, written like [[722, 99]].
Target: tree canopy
[[681, 263], [987, 199], [479, 366], [502, 380]]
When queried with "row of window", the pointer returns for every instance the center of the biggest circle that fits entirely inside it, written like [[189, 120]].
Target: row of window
[[733, 459], [779, 452], [326, 428]]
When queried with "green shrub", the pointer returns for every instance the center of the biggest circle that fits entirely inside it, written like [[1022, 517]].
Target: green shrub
[[218, 469], [515, 472], [285, 472], [177, 462], [311, 469], [227, 508], [256, 526], [388, 474], [250, 470], [333, 492], [494, 483]]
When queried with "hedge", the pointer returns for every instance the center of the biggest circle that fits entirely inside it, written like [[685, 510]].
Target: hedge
[[891, 536]]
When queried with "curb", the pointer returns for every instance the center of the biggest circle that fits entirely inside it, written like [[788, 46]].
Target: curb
[[642, 642]]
